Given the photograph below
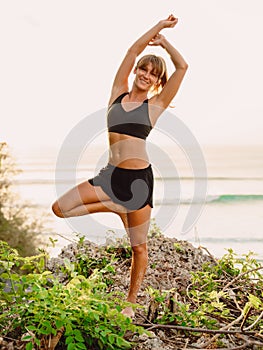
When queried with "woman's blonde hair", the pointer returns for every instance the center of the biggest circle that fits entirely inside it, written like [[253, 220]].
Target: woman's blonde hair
[[159, 68]]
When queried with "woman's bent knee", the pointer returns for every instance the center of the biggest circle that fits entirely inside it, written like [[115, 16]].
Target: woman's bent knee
[[56, 210]]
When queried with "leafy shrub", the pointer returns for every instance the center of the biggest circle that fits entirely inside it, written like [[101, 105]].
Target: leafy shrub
[[39, 306], [218, 294], [16, 226]]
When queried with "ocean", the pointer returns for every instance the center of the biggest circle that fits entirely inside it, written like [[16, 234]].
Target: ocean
[[228, 215]]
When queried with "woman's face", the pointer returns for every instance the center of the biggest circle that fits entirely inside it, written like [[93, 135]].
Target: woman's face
[[146, 77]]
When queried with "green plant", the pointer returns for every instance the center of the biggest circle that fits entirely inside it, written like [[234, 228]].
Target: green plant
[[171, 311], [218, 288], [178, 248], [219, 293], [17, 227], [39, 306]]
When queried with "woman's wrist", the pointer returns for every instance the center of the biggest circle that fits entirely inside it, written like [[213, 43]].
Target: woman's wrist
[[164, 43], [160, 25]]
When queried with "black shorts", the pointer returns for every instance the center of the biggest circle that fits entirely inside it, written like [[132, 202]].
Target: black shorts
[[132, 188]]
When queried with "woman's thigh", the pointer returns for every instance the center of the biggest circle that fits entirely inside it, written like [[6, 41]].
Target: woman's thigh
[[81, 194]]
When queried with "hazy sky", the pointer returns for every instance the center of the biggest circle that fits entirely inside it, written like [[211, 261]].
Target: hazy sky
[[58, 60]]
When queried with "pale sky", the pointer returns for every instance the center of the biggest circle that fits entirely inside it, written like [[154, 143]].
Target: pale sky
[[58, 60]]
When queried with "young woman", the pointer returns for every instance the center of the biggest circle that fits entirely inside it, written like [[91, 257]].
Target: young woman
[[125, 185]]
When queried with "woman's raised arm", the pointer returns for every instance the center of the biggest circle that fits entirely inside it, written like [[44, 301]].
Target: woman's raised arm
[[120, 83], [171, 87]]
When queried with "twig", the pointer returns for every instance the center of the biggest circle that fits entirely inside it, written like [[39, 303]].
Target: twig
[[254, 323], [232, 296], [250, 342], [241, 275], [68, 239], [193, 329], [243, 346], [3, 336], [197, 238], [223, 329], [245, 318], [146, 319], [258, 335], [169, 341], [231, 338], [186, 343], [211, 256]]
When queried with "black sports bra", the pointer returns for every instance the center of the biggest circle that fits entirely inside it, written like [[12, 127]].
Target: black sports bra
[[135, 122]]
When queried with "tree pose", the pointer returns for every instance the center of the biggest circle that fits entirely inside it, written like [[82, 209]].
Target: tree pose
[[125, 185]]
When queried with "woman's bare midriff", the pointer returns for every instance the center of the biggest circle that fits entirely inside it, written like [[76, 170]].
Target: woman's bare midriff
[[127, 152]]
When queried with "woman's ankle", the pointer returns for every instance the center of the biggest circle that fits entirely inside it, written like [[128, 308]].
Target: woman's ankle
[[132, 300]]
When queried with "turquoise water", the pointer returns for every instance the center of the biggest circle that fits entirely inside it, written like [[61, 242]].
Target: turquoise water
[[237, 198], [232, 211]]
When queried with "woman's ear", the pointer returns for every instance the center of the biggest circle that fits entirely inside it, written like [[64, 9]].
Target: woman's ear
[[134, 71]]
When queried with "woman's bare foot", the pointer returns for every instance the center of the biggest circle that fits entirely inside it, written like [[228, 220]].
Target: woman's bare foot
[[128, 311]]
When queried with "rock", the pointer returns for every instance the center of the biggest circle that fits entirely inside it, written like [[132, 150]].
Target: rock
[[170, 263], [149, 343]]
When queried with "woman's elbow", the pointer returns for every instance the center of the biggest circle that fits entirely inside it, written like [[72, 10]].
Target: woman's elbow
[[184, 66]]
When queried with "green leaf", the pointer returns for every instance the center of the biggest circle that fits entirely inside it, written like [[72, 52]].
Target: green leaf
[[69, 340], [45, 273], [68, 329], [63, 315], [59, 324], [71, 346], [101, 345], [47, 324], [122, 343], [255, 302], [29, 346], [79, 338], [27, 337], [81, 346], [96, 316], [37, 341], [111, 338], [44, 331]]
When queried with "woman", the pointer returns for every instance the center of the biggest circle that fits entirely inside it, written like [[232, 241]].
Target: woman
[[125, 185]]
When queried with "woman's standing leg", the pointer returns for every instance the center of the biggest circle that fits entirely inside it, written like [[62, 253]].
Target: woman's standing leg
[[138, 222], [85, 199]]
